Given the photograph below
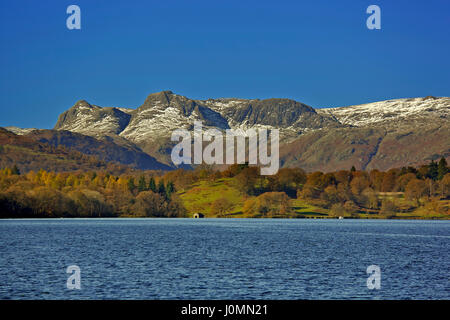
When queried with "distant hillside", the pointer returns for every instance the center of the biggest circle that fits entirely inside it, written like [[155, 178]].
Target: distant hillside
[[28, 154], [105, 149]]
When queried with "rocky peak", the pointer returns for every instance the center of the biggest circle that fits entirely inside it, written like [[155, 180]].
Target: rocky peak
[[93, 120], [82, 104], [377, 127], [158, 98]]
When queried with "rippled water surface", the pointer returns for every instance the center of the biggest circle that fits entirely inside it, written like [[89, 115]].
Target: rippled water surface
[[224, 258]]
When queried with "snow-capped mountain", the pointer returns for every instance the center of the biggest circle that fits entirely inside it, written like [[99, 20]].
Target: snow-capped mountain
[[414, 109], [165, 111], [373, 135], [94, 120]]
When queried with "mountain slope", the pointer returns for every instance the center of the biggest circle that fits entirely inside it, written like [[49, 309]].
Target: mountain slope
[[93, 120], [400, 111], [150, 126], [381, 135], [376, 135], [104, 149], [28, 154]]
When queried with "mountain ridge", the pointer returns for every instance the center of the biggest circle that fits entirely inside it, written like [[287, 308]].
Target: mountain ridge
[[373, 135]]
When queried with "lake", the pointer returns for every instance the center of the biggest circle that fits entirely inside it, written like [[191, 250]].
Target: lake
[[224, 258]]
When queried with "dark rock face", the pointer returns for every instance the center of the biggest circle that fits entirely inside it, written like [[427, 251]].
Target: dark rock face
[[186, 107], [273, 112]]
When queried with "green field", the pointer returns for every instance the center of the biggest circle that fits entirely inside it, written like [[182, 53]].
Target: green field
[[200, 197]]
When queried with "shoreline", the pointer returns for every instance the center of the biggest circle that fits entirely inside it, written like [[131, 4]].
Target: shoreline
[[226, 218]]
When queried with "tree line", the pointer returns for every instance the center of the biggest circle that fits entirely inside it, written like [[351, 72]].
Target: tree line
[[85, 194], [152, 194]]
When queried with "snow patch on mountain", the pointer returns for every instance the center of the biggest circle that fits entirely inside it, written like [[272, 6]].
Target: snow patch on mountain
[[390, 110], [20, 131], [164, 112]]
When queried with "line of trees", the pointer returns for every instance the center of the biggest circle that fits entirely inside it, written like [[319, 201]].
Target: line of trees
[[149, 194], [89, 194], [345, 191]]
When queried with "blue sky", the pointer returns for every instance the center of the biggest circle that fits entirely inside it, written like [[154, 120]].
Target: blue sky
[[317, 52]]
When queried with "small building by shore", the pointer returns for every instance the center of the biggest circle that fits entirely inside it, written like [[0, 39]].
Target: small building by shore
[[198, 215]]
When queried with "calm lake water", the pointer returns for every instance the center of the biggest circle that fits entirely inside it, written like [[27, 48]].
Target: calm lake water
[[224, 258]]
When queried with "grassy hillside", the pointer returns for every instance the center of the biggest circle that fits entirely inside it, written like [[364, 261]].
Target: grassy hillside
[[202, 195]]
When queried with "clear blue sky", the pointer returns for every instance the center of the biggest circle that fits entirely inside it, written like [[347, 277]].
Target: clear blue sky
[[318, 52]]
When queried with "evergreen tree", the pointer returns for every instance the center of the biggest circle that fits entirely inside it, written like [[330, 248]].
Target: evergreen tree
[[442, 168], [353, 169], [15, 170], [131, 185], [142, 184], [152, 185], [432, 170], [170, 188], [161, 189]]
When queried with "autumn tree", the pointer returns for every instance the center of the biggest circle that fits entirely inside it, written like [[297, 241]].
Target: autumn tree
[[234, 169], [444, 186], [403, 180], [316, 181], [50, 202], [337, 210], [331, 195], [422, 172], [358, 184], [268, 204], [372, 201], [416, 189], [351, 208], [388, 208], [90, 203], [376, 179], [221, 206], [150, 204], [343, 176], [246, 180], [389, 180], [287, 180]]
